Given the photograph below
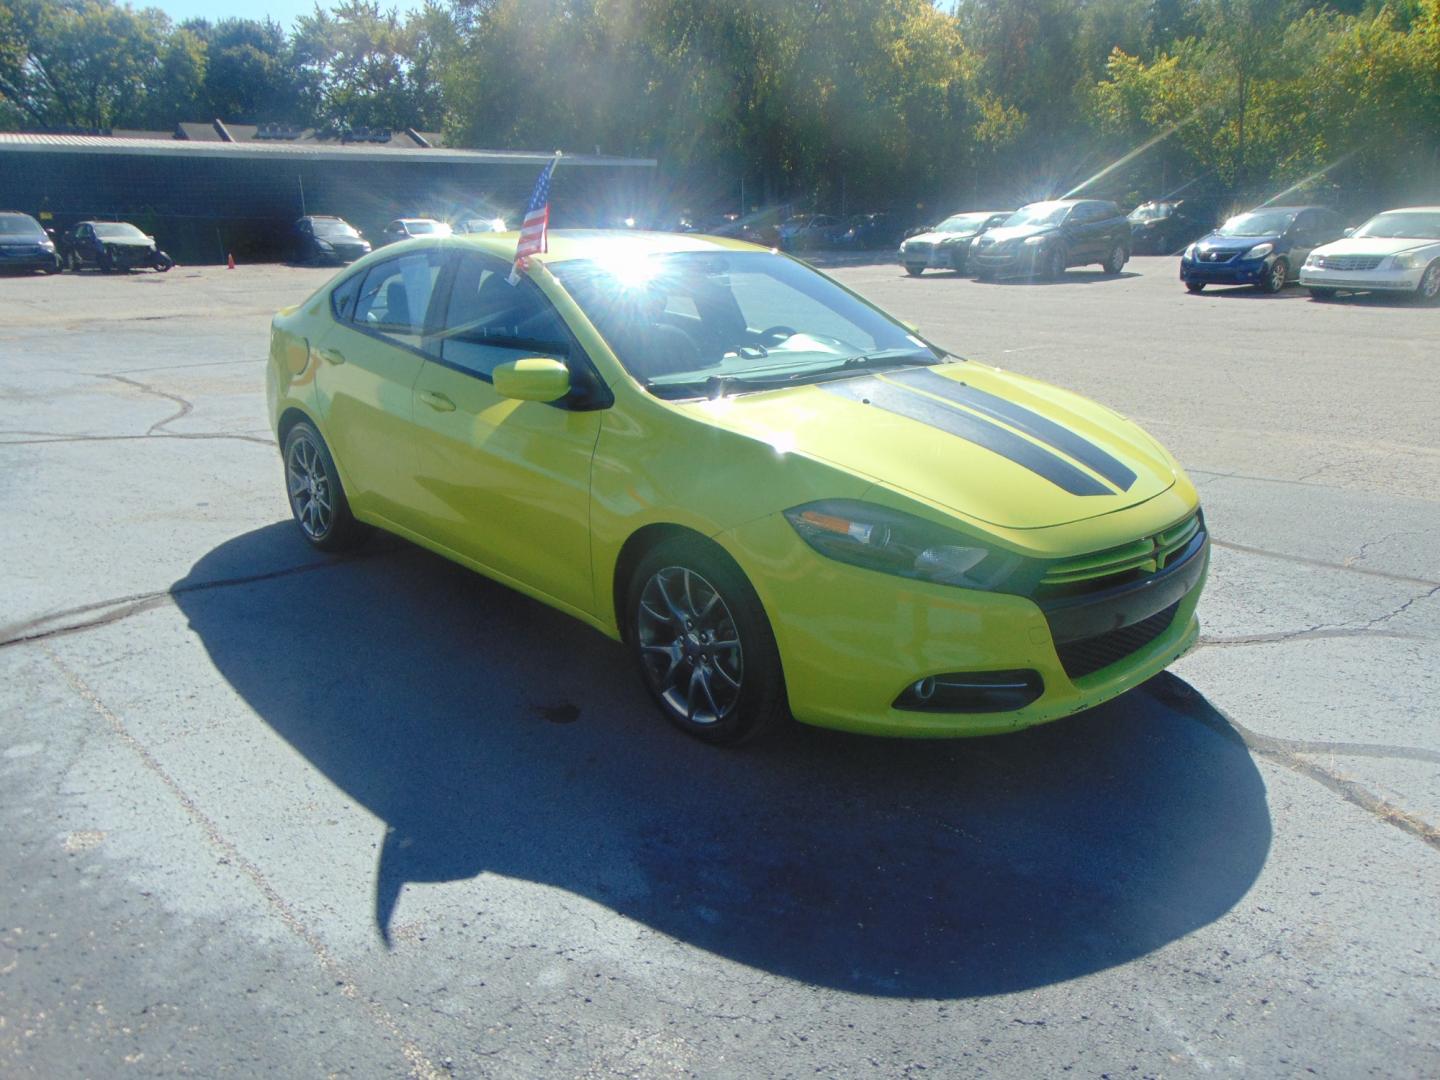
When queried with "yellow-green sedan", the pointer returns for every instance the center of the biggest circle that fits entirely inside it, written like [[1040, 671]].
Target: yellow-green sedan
[[781, 499]]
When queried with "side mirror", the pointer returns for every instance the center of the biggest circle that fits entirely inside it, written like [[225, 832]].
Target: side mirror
[[1347, 232], [535, 378]]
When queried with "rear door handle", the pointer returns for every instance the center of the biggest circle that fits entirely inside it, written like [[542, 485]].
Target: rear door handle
[[438, 402], [331, 356]]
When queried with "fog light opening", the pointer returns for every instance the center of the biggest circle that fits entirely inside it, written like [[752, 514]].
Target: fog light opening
[[972, 692]]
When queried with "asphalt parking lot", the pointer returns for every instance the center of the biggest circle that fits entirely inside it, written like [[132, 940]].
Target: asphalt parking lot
[[268, 813]]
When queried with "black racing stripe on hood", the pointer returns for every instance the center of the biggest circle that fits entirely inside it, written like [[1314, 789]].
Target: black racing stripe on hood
[[971, 428], [1017, 416]]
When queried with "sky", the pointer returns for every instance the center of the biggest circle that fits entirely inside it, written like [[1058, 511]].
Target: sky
[[284, 12]]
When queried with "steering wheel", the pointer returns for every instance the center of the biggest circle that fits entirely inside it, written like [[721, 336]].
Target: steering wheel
[[778, 333]]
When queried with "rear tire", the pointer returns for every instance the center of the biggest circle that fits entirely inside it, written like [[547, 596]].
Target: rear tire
[[705, 650], [317, 498], [913, 270]]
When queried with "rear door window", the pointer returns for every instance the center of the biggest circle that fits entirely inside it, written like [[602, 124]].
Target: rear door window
[[394, 300]]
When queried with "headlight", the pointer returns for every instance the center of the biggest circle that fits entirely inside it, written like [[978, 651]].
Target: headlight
[[48, 245], [891, 542], [1190, 253], [1259, 251], [1411, 260], [1314, 259], [1036, 239]]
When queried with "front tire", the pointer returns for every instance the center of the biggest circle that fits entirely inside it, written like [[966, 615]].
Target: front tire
[[703, 645], [1428, 291], [913, 270], [1195, 286], [317, 498], [1320, 294], [1276, 277], [1116, 260]]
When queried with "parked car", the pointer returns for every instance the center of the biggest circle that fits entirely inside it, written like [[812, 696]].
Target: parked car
[[477, 223], [1163, 228], [24, 246], [1397, 251], [1264, 247], [111, 246], [324, 239], [947, 245], [1044, 239], [863, 232], [691, 448], [408, 228], [804, 232]]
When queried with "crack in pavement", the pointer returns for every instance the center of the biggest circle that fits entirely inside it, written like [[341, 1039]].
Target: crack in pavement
[[1180, 695], [122, 607], [56, 437], [420, 1065], [1310, 633], [1307, 561], [185, 406]]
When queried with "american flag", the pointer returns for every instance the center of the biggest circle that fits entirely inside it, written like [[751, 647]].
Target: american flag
[[535, 230]]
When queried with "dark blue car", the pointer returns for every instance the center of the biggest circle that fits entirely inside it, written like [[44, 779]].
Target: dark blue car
[[1264, 247]]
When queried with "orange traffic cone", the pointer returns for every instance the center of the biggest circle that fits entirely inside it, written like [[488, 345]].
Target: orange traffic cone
[[230, 263]]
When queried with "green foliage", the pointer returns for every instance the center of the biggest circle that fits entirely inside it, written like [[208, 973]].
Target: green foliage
[[830, 101]]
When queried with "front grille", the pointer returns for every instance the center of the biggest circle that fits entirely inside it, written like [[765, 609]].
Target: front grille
[[913, 248], [1351, 262], [1116, 566], [1089, 655], [1216, 256]]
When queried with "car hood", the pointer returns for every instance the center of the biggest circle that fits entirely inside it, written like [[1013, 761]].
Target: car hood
[[981, 442], [1017, 232], [11, 240], [1215, 242], [1375, 245], [937, 237]]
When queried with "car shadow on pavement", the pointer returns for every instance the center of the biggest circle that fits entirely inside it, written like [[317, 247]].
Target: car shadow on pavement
[[1070, 277], [491, 733]]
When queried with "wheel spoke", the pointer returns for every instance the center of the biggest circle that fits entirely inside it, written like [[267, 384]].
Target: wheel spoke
[[690, 693], [705, 686], [675, 613], [658, 616], [731, 679]]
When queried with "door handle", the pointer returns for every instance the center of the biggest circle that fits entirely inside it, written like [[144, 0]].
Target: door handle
[[331, 356], [438, 402]]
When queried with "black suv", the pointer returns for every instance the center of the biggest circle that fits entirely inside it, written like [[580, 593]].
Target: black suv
[[1046, 238], [322, 239]]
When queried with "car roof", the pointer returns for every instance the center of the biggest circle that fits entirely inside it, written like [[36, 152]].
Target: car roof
[[1410, 210], [1287, 209], [571, 244]]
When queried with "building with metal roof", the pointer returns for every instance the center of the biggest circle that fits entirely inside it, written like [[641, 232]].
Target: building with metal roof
[[208, 190]]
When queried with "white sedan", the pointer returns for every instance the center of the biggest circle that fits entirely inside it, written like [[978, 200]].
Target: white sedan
[[1397, 251]]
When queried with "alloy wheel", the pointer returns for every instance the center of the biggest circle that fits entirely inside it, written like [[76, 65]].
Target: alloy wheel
[[689, 645], [1277, 276], [308, 483], [1430, 283]]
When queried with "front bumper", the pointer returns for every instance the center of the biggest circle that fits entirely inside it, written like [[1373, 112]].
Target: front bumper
[[1236, 272], [1017, 260], [21, 260], [935, 256], [852, 640], [1362, 280]]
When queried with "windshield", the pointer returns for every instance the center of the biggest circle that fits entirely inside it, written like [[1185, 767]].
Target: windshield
[[1403, 224], [333, 228], [425, 228], [1257, 223], [962, 223], [112, 230], [1039, 214], [687, 323], [1151, 211], [19, 225]]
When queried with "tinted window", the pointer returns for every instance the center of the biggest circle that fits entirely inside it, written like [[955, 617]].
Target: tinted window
[[396, 295], [491, 322]]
